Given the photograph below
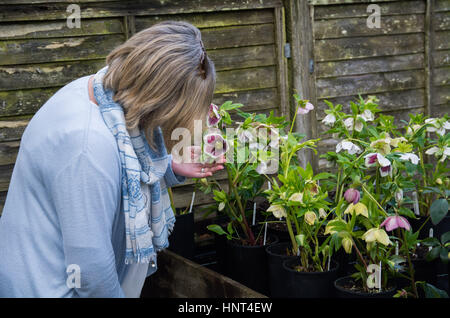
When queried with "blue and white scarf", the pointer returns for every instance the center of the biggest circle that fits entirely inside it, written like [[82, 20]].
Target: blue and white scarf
[[146, 231]]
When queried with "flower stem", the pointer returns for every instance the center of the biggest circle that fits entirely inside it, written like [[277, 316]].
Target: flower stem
[[411, 269], [373, 199]]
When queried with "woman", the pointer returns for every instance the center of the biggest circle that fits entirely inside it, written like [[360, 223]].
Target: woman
[[87, 207]]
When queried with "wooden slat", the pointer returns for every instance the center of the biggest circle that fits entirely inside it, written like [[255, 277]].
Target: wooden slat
[[5, 177], [388, 101], [370, 65], [441, 96], [8, 152], [211, 19], [352, 27], [57, 11], [360, 47], [2, 201], [254, 78], [57, 49], [12, 130], [252, 100], [58, 74], [441, 76], [243, 57], [226, 37], [177, 277], [369, 83], [442, 5], [27, 102], [24, 102], [333, 2], [45, 75], [441, 21], [440, 110], [54, 29], [441, 58], [442, 41], [360, 10]]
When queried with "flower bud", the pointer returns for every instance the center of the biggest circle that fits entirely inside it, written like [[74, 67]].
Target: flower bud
[[310, 217], [439, 181], [347, 245], [352, 196]]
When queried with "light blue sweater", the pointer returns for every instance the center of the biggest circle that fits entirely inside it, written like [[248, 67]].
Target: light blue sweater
[[63, 204]]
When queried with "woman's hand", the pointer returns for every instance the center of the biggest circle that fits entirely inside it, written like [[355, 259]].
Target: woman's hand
[[197, 170]]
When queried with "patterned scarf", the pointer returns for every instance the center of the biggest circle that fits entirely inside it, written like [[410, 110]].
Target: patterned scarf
[[146, 233]]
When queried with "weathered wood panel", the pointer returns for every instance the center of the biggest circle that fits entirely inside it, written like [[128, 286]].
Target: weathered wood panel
[[351, 27], [391, 100], [254, 78], [179, 277], [24, 102], [442, 40], [369, 83], [360, 10], [57, 11], [211, 20], [360, 47], [441, 58], [441, 21], [12, 130], [54, 29], [15, 77], [8, 152], [57, 49], [45, 75], [441, 76], [371, 65]]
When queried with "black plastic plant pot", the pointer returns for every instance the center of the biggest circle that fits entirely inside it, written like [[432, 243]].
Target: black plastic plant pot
[[425, 230], [343, 290], [309, 284], [280, 230], [248, 264], [278, 278], [181, 241]]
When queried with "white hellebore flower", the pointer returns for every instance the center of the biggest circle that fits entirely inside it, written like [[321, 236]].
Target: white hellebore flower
[[436, 150], [349, 124], [367, 115], [349, 146], [277, 210], [385, 165], [329, 120], [437, 126], [414, 159]]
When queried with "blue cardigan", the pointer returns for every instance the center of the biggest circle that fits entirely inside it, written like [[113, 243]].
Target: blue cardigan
[[63, 204]]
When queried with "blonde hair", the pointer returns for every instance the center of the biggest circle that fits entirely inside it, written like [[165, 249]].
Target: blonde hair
[[162, 77]]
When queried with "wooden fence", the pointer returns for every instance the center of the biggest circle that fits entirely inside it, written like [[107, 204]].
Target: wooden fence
[[334, 56]]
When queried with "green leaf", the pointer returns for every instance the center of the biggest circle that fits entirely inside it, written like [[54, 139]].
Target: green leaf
[[438, 210], [406, 212], [433, 292], [230, 228], [444, 255], [216, 229], [445, 237], [433, 254]]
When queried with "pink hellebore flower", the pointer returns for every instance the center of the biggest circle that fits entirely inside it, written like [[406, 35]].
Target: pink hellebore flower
[[306, 109], [215, 145], [213, 116], [396, 221], [352, 196]]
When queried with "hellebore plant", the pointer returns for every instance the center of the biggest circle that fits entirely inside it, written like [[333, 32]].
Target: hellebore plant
[[378, 168], [248, 147], [297, 197]]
